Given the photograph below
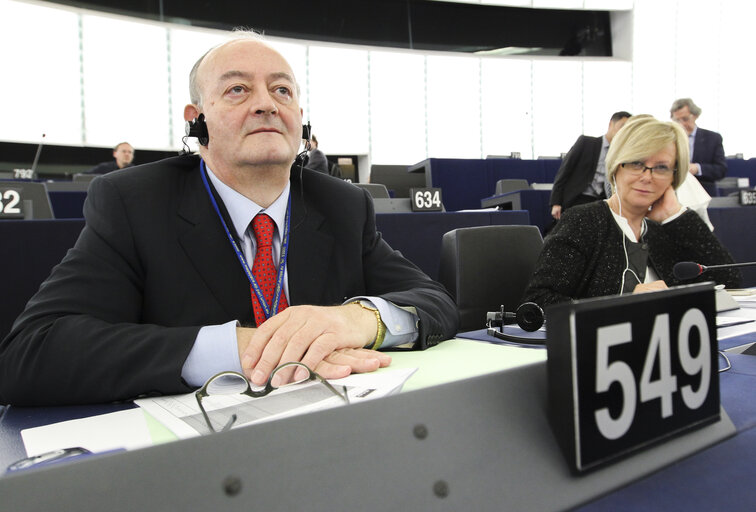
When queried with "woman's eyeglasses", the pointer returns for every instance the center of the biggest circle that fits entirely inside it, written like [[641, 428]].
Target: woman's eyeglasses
[[638, 168], [233, 383]]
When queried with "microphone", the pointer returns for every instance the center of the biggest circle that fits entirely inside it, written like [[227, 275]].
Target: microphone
[[685, 270], [36, 157]]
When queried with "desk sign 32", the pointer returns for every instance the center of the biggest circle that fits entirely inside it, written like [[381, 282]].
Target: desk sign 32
[[11, 203], [626, 372]]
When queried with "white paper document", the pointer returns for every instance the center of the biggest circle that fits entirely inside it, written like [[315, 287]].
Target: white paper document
[[181, 413], [122, 429], [738, 322]]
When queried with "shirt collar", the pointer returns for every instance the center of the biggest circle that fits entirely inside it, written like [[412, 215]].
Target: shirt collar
[[242, 209], [624, 225], [693, 133]]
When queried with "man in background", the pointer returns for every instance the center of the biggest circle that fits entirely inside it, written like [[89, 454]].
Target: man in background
[[123, 156], [582, 176], [707, 160], [317, 160]]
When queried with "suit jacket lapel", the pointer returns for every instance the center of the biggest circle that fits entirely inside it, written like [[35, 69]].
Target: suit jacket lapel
[[206, 245], [309, 252]]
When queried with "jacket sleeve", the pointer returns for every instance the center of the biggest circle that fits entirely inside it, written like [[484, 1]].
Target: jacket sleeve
[[566, 260], [80, 338], [688, 238], [716, 169], [564, 174], [392, 277]]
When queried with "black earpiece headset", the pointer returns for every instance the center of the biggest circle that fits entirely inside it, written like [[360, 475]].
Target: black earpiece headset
[[198, 128], [529, 317]]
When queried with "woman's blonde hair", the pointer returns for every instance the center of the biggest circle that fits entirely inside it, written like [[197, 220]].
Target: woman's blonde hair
[[643, 136]]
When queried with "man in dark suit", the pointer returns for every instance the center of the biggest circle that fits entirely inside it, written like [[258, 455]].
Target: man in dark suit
[[707, 156], [581, 177], [157, 295], [123, 156], [316, 158]]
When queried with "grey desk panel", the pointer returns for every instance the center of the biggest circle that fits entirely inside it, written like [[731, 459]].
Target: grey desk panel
[[487, 446]]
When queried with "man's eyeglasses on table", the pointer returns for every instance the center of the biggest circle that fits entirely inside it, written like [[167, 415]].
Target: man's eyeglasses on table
[[233, 383]]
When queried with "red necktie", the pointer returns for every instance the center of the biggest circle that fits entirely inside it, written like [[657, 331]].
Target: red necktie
[[263, 269]]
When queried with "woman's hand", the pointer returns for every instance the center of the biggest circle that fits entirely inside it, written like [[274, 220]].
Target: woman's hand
[[664, 207], [650, 287]]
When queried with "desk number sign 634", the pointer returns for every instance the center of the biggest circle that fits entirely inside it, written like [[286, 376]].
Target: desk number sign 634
[[426, 199], [628, 371]]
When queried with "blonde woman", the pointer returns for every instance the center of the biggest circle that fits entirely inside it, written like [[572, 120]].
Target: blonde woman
[[630, 242]]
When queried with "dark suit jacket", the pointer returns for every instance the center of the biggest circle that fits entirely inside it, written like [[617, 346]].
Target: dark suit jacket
[[576, 171], [118, 317], [317, 161], [104, 167], [708, 151]]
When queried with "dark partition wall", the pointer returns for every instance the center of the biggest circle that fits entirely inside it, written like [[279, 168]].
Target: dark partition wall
[[414, 24]]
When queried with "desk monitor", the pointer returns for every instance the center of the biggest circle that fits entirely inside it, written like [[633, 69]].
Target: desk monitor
[[80, 176], [388, 205], [396, 178], [724, 202], [67, 186], [376, 190]]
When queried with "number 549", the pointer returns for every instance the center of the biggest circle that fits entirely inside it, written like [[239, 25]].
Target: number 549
[[659, 352]]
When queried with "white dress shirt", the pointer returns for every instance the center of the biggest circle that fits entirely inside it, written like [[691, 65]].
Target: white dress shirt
[[215, 349]]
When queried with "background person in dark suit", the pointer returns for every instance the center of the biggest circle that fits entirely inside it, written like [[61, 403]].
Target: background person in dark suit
[[316, 158], [581, 177], [154, 298], [707, 161], [123, 156]]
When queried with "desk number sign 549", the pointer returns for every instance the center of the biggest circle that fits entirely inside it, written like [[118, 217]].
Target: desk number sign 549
[[626, 372]]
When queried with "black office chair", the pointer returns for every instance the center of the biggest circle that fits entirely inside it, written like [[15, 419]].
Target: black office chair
[[487, 267], [511, 185], [376, 190]]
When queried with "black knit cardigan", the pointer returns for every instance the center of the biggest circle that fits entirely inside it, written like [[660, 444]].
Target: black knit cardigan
[[583, 256]]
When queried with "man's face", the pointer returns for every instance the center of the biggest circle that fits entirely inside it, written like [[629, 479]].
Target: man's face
[[614, 127], [251, 106], [124, 155], [685, 118]]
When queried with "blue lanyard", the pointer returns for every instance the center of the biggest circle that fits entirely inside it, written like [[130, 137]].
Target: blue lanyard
[[240, 256]]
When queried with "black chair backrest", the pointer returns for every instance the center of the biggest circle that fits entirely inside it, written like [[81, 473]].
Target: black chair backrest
[[487, 267], [38, 246]]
